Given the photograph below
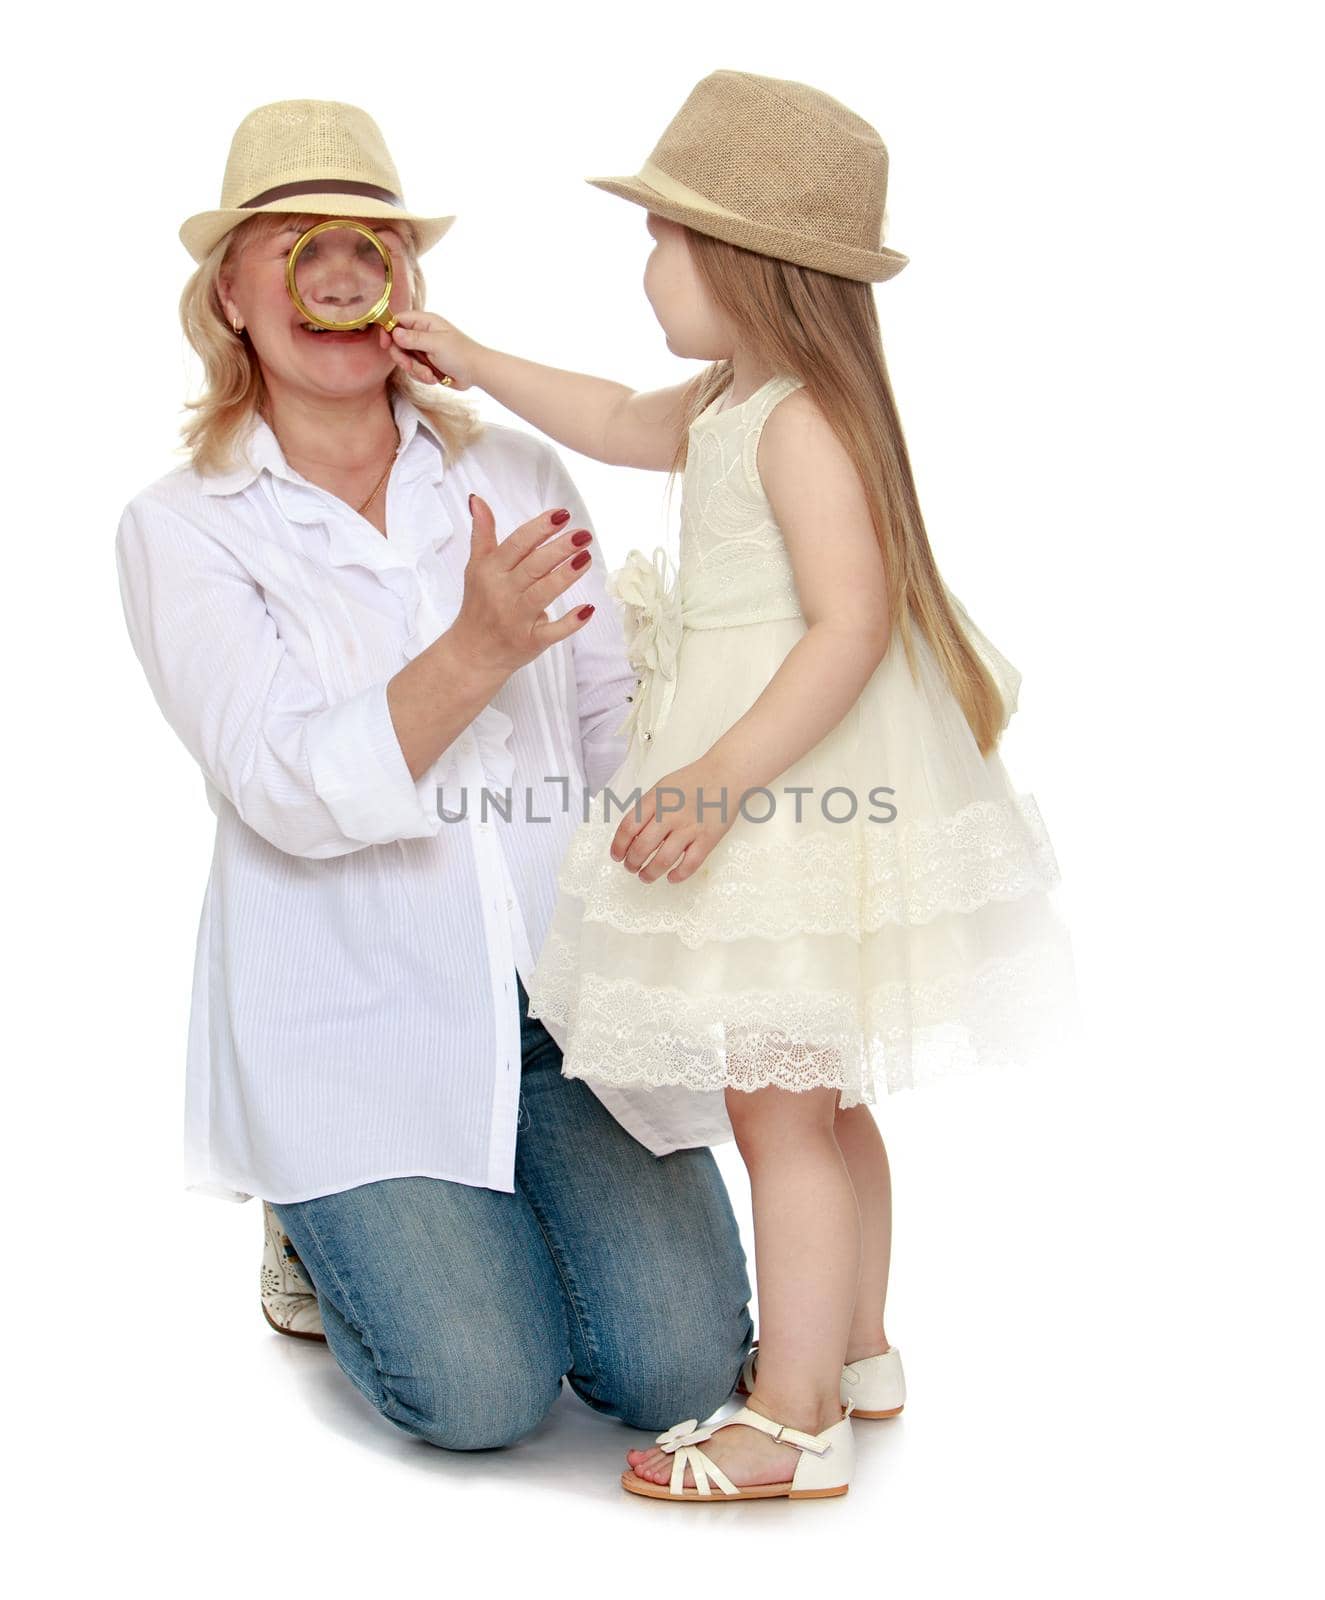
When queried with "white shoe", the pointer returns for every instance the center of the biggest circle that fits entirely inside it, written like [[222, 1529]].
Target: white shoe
[[289, 1300], [824, 1468], [875, 1385]]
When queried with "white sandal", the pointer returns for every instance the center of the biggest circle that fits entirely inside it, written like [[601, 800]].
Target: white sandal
[[289, 1300], [824, 1468], [875, 1385]]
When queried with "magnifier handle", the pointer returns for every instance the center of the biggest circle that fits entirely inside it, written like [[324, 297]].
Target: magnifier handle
[[418, 355]]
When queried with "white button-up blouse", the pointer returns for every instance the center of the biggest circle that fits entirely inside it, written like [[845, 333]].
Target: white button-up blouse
[[354, 1012]]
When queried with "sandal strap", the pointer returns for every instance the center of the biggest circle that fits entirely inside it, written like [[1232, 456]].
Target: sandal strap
[[813, 1442], [682, 1440], [680, 1443], [703, 1469]]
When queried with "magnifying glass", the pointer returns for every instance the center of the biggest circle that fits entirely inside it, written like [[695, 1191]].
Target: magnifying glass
[[339, 276]]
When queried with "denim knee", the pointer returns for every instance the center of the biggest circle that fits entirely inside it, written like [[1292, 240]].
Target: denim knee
[[468, 1410], [651, 1389]]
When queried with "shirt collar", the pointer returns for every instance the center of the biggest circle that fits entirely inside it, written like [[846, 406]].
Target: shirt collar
[[263, 451]]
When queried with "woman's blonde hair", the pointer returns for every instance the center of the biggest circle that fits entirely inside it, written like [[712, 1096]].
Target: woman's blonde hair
[[824, 330], [233, 389]]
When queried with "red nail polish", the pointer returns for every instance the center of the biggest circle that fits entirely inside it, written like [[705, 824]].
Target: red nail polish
[[580, 560], [585, 611], [558, 517], [582, 537]]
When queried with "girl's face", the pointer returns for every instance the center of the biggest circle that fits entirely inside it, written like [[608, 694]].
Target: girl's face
[[252, 289], [694, 326]]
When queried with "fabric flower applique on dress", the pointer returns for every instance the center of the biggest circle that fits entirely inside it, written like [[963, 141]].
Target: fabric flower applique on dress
[[652, 624]]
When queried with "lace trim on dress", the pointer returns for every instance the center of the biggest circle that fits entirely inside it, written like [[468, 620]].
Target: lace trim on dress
[[871, 875], [897, 1033]]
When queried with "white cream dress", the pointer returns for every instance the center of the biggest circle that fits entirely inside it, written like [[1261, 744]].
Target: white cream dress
[[901, 929]]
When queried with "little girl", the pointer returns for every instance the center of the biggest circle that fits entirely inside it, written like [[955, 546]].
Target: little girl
[[810, 874]]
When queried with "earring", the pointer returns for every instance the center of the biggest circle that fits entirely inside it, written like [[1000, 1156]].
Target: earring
[[237, 326]]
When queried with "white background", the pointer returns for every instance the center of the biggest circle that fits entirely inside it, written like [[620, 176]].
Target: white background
[[1106, 351]]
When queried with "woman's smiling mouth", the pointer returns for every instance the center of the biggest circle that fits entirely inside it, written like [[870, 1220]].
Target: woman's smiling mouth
[[334, 334]]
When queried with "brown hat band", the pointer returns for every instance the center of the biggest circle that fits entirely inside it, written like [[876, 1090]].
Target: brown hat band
[[283, 191]]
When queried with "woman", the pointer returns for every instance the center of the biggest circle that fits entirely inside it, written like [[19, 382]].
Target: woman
[[330, 624]]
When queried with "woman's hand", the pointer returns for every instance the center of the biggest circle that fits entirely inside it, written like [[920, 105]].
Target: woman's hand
[[440, 340], [673, 828], [503, 622]]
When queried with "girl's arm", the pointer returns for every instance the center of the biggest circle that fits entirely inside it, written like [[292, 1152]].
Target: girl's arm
[[608, 421], [819, 503], [594, 416]]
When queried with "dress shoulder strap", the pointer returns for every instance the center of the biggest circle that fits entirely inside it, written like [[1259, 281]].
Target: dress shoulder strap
[[762, 404]]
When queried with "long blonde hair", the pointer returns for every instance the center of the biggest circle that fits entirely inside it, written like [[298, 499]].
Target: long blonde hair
[[824, 330], [233, 388]]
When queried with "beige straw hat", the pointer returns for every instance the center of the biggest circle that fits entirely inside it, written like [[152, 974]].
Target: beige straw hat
[[318, 156], [775, 166]]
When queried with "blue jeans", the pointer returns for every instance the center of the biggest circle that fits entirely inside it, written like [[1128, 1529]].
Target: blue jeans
[[457, 1310]]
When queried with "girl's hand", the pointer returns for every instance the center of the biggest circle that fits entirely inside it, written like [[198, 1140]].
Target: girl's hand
[[454, 352], [672, 830]]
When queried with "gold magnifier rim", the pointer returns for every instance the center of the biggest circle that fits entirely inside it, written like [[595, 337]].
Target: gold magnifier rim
[[292, 290]]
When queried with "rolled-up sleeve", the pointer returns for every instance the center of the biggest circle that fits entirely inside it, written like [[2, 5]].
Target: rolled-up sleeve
[[604, 679], [314, 779]]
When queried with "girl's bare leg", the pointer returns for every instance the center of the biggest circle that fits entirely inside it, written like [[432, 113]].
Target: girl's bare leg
[[862, 1149], [808, 1267]]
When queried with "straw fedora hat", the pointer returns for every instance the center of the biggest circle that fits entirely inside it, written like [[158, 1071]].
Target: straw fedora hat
[[318, 156], [776, 167]]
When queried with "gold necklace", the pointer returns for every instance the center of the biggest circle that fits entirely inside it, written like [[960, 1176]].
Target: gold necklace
[[390, 461]]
